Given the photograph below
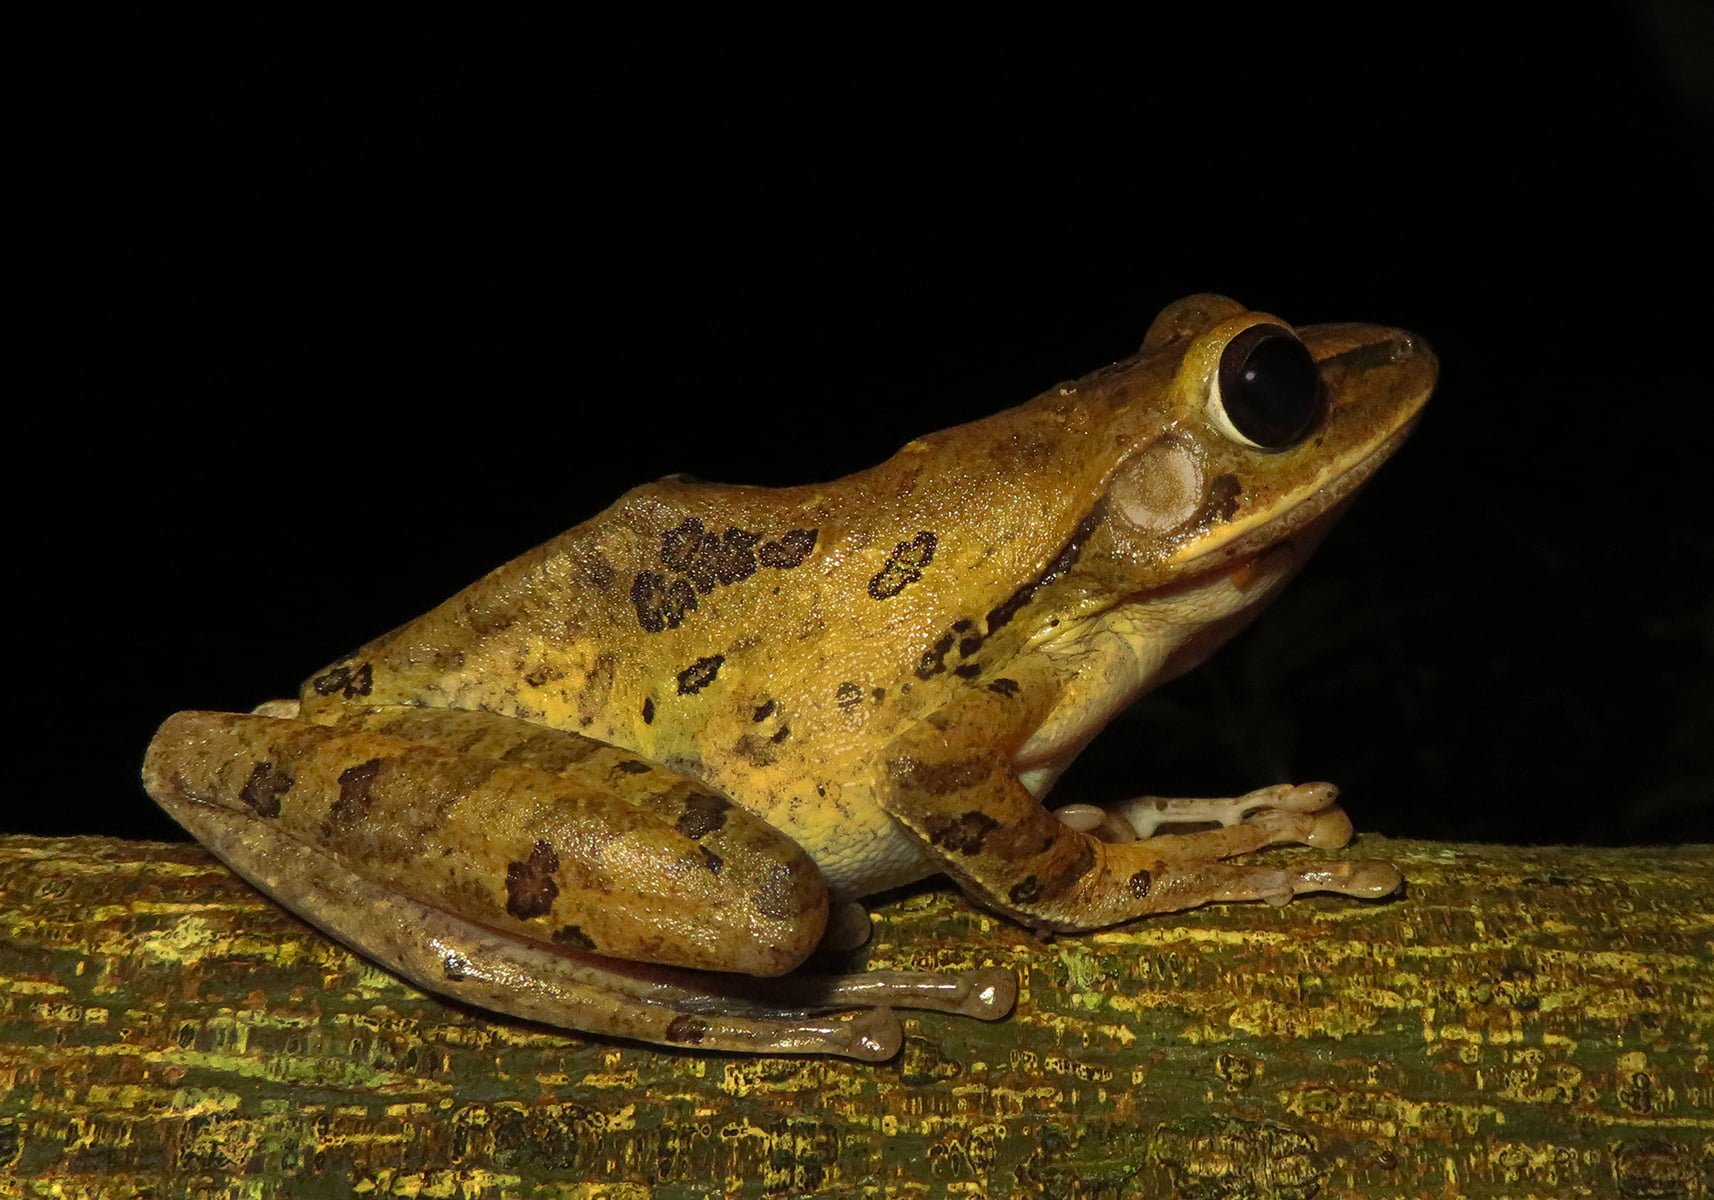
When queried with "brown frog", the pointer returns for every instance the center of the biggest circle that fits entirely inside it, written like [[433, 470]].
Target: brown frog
[[668, 751]]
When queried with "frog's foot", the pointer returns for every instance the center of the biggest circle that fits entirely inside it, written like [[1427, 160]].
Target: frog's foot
[[1282, 814], [1145, 816]]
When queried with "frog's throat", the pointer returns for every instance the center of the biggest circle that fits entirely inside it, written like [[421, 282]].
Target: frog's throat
[[1109, 660]]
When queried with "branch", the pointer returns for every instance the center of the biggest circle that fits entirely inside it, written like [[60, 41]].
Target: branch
[[1523, 1023]]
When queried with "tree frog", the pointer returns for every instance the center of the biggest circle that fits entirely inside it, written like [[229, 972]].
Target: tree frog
[[628, 782]]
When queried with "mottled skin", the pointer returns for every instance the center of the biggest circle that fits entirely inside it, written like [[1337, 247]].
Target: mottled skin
[[790, 698]]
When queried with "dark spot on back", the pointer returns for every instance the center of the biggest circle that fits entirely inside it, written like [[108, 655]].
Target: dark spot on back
[[848, 695], [632, 766], [781, 734], [699, 674], [933, 660], [968, 670], [530, 884], [736, 559], [648, 711], [542, 673], [764, 711], [660, 603], [681, 548], [707, 558], [788, 550], [756, 750], [454, 967], [1024, 892], [711, 860], [350, 682], [904, 566], [262, 791], [1140, 883], [1005, 687]]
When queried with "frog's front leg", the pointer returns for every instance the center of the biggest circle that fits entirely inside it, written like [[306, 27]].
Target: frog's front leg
[[515, 867], [997, 840]]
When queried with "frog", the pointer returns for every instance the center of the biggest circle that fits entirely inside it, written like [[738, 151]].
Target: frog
[[628, 783]]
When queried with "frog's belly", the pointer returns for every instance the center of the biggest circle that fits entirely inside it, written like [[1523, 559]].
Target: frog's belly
[[859, 848]]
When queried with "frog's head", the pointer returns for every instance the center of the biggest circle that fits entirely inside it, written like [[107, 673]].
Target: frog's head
[[1260, 433], [1214, 461]]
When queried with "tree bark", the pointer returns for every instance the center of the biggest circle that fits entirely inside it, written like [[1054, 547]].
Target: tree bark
[[1523, 1022]]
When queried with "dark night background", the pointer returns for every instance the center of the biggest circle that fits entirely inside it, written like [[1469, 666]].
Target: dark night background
[[326, 334]]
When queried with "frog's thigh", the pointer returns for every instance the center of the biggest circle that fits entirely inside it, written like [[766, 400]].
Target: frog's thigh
[[587, 860]]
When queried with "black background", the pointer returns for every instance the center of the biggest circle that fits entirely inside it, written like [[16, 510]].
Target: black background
[[333, 321]]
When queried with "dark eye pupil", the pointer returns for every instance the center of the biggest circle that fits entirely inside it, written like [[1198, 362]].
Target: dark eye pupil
[[1269, 387]]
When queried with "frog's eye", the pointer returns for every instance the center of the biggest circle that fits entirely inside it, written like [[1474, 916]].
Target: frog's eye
[[1267, 392]]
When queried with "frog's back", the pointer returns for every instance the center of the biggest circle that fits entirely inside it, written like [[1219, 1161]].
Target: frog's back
[[576, 633], [741, 617]]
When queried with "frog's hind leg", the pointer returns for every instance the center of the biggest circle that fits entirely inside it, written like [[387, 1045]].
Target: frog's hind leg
[[443, 954], [1281, 814], [475, 855]]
